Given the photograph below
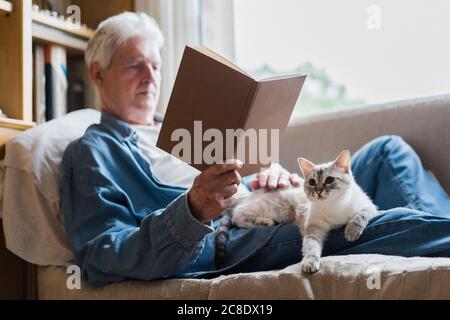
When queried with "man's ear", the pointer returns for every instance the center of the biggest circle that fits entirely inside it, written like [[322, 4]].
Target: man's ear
[[343, 161], [306, 166], [96, 74]]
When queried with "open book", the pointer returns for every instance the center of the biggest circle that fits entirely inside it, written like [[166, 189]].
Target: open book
[[217, 111]]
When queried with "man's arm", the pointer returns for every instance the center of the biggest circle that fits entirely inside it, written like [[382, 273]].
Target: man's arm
[[113, 237], [111, 245]]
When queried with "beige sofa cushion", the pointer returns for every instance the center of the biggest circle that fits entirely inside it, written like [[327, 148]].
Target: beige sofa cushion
[[34, 228], [368, 276]]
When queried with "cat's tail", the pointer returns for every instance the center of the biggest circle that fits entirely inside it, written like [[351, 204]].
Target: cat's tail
[[222, 234]]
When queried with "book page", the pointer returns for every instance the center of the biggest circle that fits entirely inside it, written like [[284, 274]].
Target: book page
[[279, 77], [270, 113], [219, 58]]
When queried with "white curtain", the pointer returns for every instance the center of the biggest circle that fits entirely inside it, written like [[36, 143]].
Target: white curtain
[[218, 26], [179, 21]]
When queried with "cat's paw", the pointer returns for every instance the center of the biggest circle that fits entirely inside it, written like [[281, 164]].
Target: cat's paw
[[353, 231], [250, 221], [310, 264], [261, 221]]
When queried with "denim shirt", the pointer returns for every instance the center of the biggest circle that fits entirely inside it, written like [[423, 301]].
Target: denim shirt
[[123, 223]]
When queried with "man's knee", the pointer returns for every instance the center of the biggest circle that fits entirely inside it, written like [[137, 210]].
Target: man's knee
[[398, 214], [388, 141], [388, 144]]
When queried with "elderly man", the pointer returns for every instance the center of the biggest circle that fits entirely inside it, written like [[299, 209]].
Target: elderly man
[[131, 213]]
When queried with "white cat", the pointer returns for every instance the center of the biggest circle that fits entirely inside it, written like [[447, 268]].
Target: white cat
[[335, 200], [329, 199], [261, 208], [268, 208]]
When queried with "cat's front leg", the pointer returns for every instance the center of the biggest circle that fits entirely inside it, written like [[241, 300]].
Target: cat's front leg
[[355, 227], [312, 250]]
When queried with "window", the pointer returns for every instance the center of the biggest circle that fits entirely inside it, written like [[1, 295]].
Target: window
[[355, 52], [217, 27]]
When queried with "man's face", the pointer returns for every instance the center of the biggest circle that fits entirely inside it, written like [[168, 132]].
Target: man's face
[[130, 87]]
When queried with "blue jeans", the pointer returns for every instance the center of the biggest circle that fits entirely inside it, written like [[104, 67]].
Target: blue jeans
[[414, 217]]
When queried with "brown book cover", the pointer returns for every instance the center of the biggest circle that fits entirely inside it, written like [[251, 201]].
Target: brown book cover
[[212, 99]]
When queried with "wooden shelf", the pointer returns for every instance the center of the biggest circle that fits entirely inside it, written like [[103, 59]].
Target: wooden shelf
[[48, 35], [5, 6], [48, 29], [9, 128], [16, 124], [53, 22], [52, 30]]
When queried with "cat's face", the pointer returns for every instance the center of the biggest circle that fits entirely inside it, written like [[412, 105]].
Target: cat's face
[[328, 181]]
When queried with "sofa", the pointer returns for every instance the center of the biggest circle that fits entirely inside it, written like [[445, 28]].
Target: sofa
[[424, 123]]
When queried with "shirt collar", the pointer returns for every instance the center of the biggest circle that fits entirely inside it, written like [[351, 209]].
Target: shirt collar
[[119, 128]]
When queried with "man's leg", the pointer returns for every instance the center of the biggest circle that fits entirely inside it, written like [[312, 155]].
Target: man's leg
[[391, 173], [399, 231]]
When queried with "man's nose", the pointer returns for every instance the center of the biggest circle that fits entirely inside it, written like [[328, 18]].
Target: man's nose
[[149, 74]]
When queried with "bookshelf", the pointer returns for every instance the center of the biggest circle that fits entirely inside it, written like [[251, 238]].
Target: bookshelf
[[16, 62], [22, 28], [56, 23]]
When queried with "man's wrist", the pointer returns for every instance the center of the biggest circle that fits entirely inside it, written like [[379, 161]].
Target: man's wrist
[[194, 211]]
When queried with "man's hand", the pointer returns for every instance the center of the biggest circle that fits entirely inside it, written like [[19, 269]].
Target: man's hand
[[213, 189], [275, 177]]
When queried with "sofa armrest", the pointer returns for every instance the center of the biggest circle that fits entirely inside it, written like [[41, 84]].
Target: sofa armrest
[[424, 123]]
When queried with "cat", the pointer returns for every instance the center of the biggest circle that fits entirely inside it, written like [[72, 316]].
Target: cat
[[261, 208], [330, 198], [335, 200]]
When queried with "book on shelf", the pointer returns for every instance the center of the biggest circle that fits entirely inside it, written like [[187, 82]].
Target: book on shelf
[[82, 92], [56, 83], [61, 83], [39, 84]]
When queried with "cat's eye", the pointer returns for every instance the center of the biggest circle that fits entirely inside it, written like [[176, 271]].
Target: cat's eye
[[329, 180], [312, 182]]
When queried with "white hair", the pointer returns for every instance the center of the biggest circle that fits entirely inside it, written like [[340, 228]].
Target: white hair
[[115, 31]]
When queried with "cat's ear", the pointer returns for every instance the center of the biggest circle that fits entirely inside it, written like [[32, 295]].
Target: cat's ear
[[306, 166], [343, 161]]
